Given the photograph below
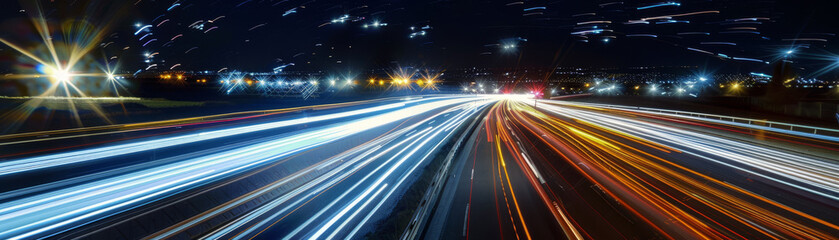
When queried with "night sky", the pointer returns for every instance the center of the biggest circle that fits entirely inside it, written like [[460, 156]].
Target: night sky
[[256, 35]]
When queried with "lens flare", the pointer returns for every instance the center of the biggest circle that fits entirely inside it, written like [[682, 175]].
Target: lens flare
[[63, 58]]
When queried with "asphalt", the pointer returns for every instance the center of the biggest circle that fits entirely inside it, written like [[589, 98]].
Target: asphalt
[[289, 181], [630, 184], [553, 172]]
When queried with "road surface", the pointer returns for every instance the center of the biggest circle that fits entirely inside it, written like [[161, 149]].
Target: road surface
[[569, 170], [325, 171], [559, 170]]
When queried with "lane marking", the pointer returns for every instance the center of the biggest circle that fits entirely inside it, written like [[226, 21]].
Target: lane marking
[[465, 217]]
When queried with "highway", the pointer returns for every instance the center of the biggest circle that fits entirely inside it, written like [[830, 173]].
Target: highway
[[565, 170], [319, 172], [556, 170]]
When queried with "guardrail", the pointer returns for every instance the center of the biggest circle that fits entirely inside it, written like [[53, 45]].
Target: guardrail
[[749, 121]]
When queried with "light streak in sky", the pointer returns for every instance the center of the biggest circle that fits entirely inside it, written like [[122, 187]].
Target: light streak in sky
[[594, 22], [257, 26], [162, 22], [144, 36], [694, 33], [210, 29], [173, 6], [700, 50], [642, 35], [748, 59], [718, 43], [290, 11], [637, 22], [672, 21], [679, 15], [216, 19], [147, 43], [141, 29], [804, 39], [535, 8], [660, 5], [740, 32], [586, 32]]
